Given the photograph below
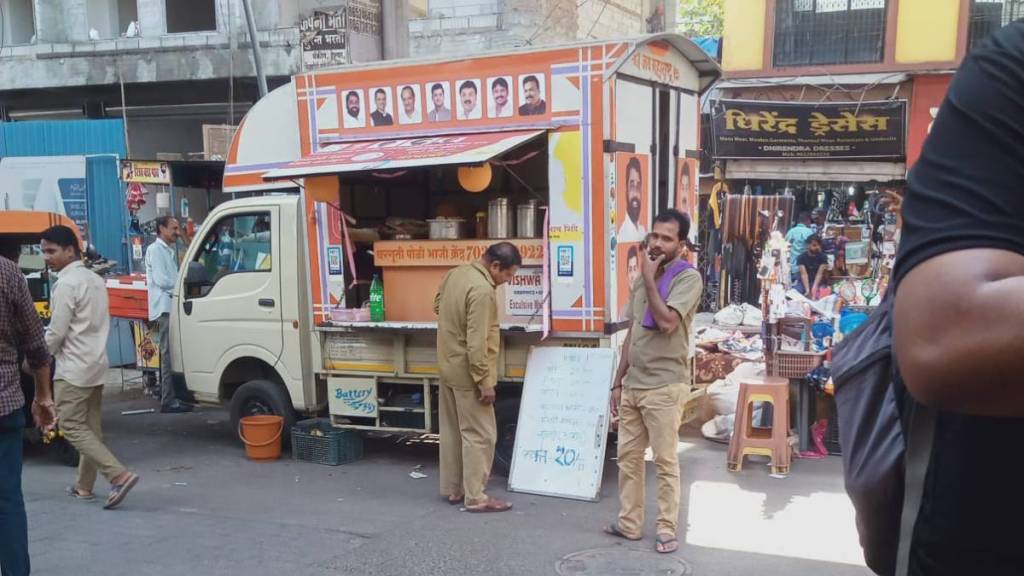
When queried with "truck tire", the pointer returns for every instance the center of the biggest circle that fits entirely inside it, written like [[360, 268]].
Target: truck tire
[[506, 412], [263, 397]]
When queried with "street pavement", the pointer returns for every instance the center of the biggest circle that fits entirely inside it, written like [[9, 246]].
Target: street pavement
[[203, 509]]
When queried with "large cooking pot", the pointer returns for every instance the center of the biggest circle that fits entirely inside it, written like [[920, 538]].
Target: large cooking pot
[[499, 218], [526, 220], [446, 228]]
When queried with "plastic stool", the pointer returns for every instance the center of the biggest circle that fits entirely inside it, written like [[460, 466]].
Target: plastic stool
[[747, 440]]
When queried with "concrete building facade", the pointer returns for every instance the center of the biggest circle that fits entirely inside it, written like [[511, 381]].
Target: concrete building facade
[[467, 26], [170, 66]]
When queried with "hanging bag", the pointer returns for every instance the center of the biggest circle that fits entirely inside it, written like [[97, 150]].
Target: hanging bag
[[886, 440]]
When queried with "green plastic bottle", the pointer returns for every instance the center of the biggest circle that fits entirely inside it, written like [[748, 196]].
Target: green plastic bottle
[[376, 300]]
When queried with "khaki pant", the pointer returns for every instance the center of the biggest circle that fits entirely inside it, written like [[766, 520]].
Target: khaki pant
[[79, 411], [649, 418], [468, 435]]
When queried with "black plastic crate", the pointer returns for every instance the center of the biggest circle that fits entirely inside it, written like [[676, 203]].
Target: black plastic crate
[[318, 441], [832, 434]]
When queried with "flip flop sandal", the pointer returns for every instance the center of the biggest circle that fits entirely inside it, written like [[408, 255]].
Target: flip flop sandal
[[490, 506], [665, 540], [613, 529], [70, 490], [118, 492], [452, 502]]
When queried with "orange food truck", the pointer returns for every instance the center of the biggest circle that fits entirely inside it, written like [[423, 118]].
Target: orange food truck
[[388, 175]]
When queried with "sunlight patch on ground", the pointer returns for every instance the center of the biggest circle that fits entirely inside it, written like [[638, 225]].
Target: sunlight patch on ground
[[818, 526]]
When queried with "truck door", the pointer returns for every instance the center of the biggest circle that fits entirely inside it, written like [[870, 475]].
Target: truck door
[[230, 305]]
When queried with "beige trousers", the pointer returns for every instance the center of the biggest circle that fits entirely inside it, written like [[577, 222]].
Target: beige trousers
[[649, 418], [468, 435], [80, 412]]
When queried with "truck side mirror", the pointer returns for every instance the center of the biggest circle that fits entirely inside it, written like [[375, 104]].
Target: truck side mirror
[[195, 281], [196, 274]]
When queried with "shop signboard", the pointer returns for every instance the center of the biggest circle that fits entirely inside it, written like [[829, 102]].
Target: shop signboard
[[524, 295], [448, 253], [145, 172], [929, 92], [809, 130], [74, 193], [323, 39]]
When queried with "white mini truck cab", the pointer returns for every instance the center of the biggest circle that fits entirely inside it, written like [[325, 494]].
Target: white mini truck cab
[[266, 310]]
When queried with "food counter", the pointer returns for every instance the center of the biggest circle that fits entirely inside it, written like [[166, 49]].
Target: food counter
[[413, 270]]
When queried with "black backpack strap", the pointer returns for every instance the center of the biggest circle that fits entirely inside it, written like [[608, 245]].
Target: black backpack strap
[[920, 435]]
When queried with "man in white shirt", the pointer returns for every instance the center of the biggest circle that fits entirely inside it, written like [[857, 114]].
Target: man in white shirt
[[77, 337], [632, 230], [499, 106], [161, 275], [469, 96]]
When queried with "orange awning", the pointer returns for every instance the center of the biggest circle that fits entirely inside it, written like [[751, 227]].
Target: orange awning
[[398, 153]]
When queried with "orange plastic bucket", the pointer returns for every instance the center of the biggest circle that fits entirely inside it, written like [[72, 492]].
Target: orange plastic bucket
[[261, 436]]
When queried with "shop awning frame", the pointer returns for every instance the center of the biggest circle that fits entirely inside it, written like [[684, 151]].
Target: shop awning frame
[[403, 153]]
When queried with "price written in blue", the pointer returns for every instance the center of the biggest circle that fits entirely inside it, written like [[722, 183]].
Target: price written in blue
[[563, 457]]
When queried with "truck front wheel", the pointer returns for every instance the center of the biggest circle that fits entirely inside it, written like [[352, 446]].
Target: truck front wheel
[[263, 397]]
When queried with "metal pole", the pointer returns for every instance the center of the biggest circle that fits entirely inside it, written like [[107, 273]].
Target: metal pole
[[261, 80]]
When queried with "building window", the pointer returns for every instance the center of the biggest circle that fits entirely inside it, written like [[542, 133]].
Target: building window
[[17, 25], [819, 32], [110, 18], [457, 8], [191, 16], [987, 16]]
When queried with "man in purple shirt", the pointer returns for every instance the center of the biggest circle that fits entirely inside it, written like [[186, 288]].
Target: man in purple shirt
[[21, 334]]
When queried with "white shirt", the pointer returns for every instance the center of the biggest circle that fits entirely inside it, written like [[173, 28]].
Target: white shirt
[[161, 275], [630, 232], [471, 115], [503, 112], [78, 329]]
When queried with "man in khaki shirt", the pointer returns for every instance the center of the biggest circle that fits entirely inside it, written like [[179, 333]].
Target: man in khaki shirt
[[653, 378], [77, 337], [467, 353]]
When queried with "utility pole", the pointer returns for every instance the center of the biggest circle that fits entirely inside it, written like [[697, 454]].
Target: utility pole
[[394, 29], [257, 59]]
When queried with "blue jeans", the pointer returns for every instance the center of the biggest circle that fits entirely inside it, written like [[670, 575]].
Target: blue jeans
[[13, 524]]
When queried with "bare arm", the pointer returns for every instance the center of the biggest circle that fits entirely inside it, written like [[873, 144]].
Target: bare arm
[[817, 279], [803, 278], [957, 332]]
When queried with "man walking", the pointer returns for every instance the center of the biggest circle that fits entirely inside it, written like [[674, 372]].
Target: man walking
[[467, 352], [21, 333], [77, 337], [797, 238], [161, 276], [652, 377]]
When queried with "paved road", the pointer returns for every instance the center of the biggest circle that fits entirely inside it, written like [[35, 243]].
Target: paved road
[[203, 509]]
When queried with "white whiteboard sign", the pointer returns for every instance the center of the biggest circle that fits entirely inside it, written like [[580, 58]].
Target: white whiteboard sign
[[563, 423]]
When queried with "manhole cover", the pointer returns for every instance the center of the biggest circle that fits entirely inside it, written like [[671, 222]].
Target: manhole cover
[[620, 561]]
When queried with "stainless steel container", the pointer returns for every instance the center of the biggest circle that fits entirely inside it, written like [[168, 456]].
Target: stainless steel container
[[499, 218], [446, 228], [526, 220]]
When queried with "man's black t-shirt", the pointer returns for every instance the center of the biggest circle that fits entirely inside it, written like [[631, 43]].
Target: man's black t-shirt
[[812, 262], [967, 191]]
